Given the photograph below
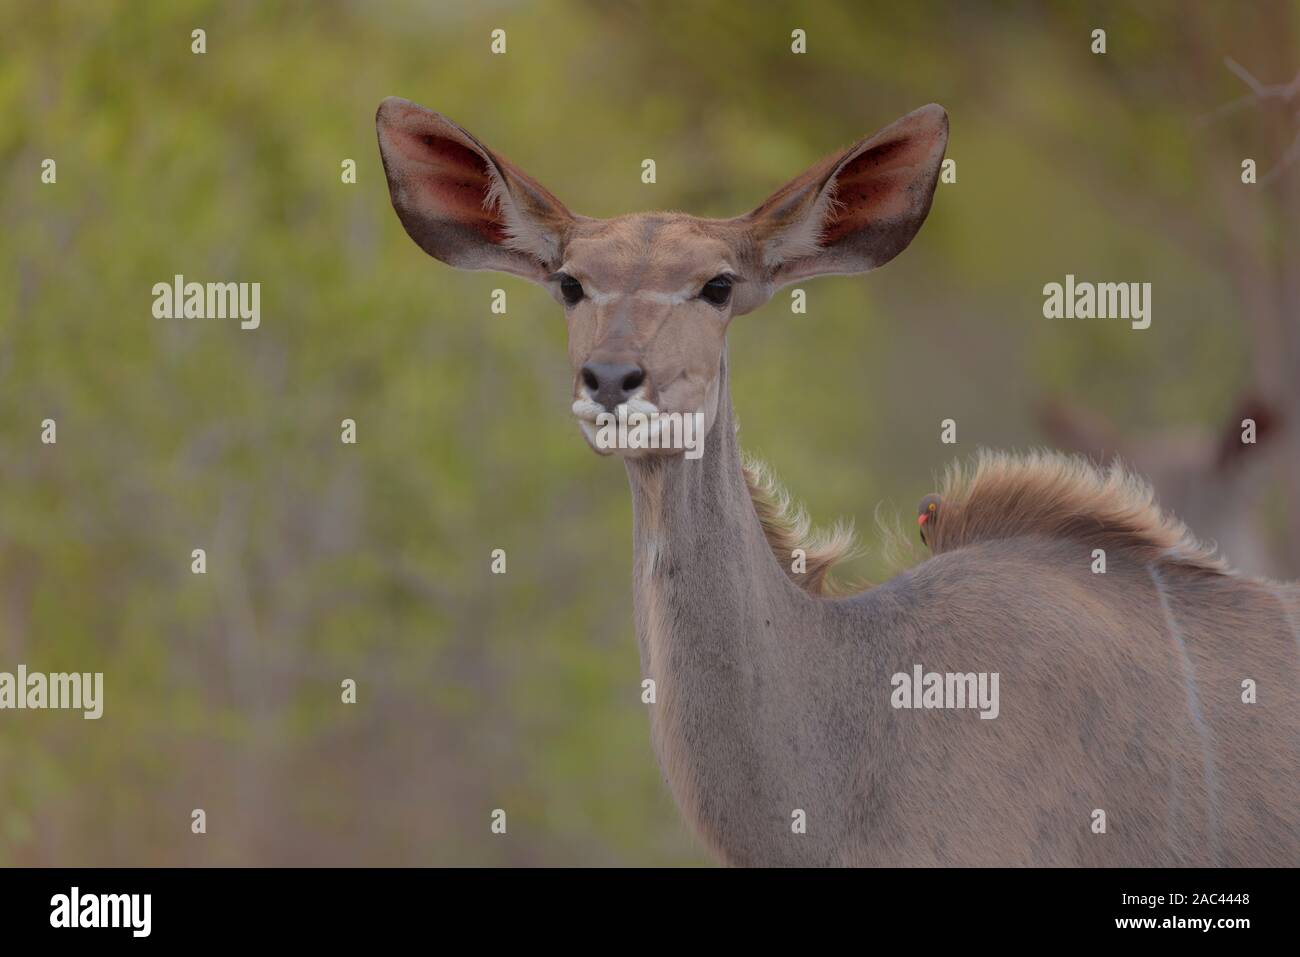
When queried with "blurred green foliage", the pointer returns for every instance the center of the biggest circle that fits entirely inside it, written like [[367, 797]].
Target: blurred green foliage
[[371, 561]]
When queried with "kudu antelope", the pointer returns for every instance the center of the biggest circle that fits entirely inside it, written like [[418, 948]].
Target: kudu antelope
[[1120, 692], [1207, 477]]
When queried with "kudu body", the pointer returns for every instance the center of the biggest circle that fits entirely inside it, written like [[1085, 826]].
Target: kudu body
[[1120, 692]]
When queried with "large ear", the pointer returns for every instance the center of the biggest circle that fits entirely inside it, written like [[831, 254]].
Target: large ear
[[462, 203], [858, 209]]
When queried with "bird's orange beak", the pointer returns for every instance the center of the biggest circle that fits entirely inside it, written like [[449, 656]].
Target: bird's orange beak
[[920, 519]]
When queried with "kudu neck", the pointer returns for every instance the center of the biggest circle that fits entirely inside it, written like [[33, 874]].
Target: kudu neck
[[699, 513], [717, 619]]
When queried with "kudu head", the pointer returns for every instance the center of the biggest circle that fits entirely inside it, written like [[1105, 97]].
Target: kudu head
[[648, 297]]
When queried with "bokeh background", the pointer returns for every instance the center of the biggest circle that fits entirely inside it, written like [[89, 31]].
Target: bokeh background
[[328, 561]]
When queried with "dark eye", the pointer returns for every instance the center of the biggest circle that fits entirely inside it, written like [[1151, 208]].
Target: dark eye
[[717, 290], [571, 290]]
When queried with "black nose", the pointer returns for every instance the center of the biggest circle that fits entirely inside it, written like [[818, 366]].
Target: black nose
[[610, 383]]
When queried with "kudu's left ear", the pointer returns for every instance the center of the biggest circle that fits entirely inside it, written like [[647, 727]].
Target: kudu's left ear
[[857, 209], [462, 203]]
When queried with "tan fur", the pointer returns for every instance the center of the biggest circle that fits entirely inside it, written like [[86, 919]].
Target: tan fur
[[1002, 495], [653, 622], [786, 527]]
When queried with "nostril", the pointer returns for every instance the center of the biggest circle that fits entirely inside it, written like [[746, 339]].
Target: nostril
[[610, 383], [632, 381]]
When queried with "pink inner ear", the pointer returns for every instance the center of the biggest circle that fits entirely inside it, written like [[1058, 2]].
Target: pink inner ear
[[876, 185], [450, 182]]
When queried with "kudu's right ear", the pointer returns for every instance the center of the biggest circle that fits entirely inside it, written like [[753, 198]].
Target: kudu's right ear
[[857, 209], [462, 203]]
